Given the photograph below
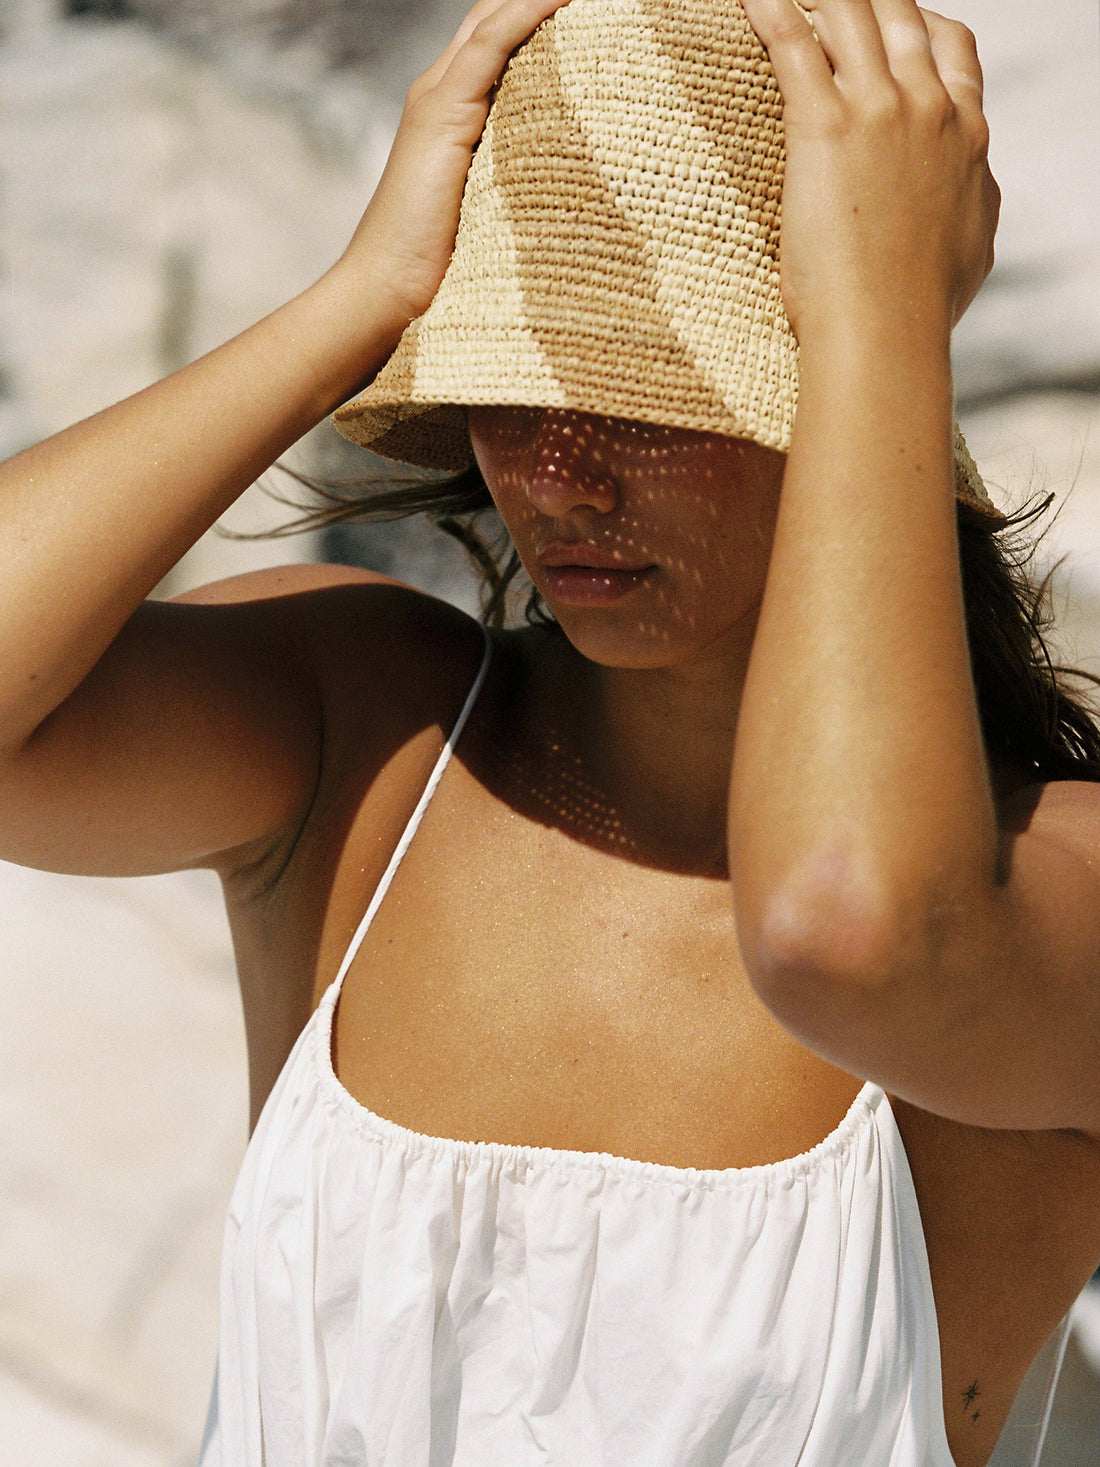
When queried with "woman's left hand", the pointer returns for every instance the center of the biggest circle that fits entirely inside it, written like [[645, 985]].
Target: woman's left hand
[[889, 205]]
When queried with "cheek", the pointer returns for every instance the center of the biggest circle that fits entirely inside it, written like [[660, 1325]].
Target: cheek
[[705, 538], [515, 509], [502, 438], [503, 464]]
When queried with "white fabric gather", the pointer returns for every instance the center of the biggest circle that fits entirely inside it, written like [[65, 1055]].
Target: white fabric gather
[[392, 1298]]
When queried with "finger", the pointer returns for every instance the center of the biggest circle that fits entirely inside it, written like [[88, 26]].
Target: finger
[[906, 40], [800, 64], [488, 35], [850, 35], [955, 50], [477, 64], [439, 66]]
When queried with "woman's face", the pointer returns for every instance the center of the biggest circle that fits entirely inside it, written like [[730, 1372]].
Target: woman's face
[[649, 544]]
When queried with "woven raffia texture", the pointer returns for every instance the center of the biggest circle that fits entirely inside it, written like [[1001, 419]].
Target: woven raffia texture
[[618, 251]]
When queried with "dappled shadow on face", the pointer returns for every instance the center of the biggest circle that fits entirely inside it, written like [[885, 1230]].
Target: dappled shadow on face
[[673, 527]]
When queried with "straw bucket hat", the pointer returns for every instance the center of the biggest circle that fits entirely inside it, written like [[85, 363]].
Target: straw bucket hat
[[618, 250]]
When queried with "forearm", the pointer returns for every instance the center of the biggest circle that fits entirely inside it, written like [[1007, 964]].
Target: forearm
[[91, 519], [861, 814]]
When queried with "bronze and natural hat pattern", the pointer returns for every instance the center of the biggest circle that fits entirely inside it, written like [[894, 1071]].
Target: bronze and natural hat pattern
[[618, 251]]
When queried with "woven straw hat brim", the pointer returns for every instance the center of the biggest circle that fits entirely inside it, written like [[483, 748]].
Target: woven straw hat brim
[[618, 250]]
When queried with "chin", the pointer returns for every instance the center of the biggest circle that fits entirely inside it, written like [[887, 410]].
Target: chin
[[636, 642]]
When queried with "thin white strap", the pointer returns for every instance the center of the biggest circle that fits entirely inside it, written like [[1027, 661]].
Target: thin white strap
[[417, 815], [1057, 1349]]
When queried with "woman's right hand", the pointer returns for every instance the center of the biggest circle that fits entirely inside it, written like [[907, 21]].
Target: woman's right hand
[[404, 242]]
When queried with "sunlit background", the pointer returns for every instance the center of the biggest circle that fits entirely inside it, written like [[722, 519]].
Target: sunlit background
[[169, 171]]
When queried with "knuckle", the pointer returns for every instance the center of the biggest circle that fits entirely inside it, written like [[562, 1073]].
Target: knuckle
[[964, 34], [980, 139], [489, 30], [418, 103], [938, 107], [992, 205], [422, 85], [881, 107], [931, 108], [790, 30]]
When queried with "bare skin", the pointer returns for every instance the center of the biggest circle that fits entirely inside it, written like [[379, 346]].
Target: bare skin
[[567, 943]]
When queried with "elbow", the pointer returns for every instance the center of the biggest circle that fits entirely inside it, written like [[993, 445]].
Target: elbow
[[830, 944]]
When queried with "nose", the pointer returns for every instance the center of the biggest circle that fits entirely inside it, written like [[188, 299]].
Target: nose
[[570, 467]]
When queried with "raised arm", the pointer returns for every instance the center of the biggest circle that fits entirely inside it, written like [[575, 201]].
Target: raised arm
[[208, 716], [889, 914]]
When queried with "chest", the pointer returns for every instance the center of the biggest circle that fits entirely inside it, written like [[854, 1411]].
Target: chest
[[521, 985]]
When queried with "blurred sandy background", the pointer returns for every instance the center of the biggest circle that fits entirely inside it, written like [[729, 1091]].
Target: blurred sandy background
[[169, 170]]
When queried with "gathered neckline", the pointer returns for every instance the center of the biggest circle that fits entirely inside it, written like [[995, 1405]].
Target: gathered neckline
[[507, 1156]]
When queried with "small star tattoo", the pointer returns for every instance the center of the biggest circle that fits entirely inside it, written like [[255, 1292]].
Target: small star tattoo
[[969, 1396]]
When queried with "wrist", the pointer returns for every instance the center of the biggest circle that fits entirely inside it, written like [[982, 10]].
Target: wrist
[[374, 301], [354, 324], [894, 367], [908, 334], [876, 405]]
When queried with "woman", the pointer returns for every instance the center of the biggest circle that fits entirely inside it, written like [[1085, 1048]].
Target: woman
[[753, 991]]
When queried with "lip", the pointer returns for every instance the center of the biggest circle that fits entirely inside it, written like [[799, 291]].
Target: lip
[[586, 575], [590, 557], [582, 585]]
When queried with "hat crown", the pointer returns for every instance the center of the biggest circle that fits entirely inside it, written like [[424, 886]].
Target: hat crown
[[618, 249]]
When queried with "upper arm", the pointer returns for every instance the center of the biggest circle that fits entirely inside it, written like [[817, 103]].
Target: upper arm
[[1002, 1029], [198, 734], [1037, 951]]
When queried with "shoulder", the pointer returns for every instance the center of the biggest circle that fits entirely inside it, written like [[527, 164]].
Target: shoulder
[[1065, 812], [379, 663], [275, 581], [357, 630]]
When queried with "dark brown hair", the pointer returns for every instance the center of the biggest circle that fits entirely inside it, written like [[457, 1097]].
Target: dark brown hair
[[1036, 715]]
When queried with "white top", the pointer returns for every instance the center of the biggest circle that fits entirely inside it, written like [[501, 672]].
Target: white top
[[391, 1299]]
